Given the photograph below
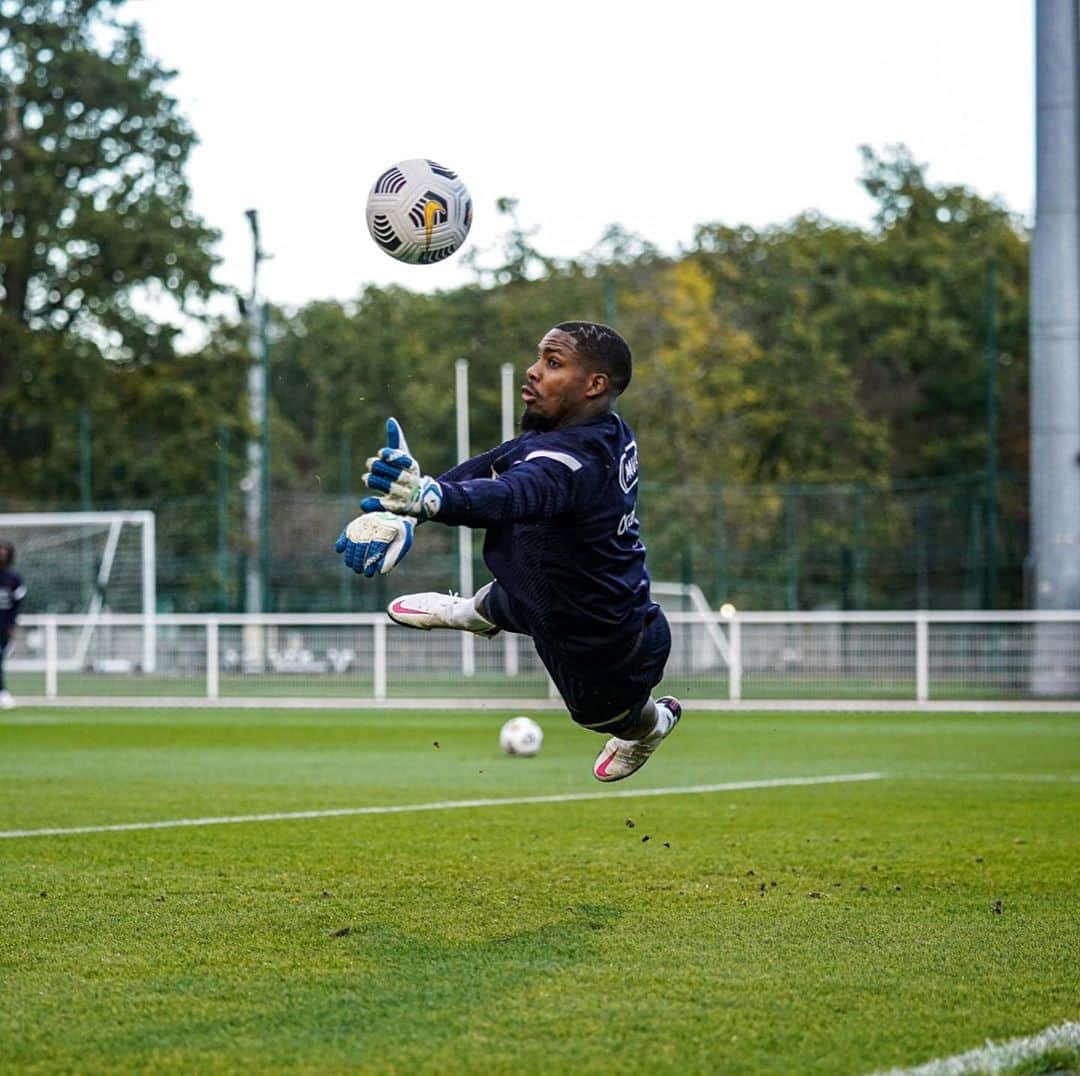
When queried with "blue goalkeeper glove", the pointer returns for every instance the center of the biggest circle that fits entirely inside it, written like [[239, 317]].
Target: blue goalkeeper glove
[[375, 542], [396, 477]]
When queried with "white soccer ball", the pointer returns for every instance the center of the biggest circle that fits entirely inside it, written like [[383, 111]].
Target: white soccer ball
[[521, 736], [419, 212]]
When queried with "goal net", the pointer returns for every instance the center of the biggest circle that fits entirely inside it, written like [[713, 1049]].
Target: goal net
[[87, 563]]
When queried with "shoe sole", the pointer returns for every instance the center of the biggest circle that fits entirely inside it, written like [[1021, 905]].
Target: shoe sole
[[490, 634], [406, 624]]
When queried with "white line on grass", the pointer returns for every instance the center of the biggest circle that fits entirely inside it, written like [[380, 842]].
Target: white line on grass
[[1038, 778], [1003, 1057], [450, 805]]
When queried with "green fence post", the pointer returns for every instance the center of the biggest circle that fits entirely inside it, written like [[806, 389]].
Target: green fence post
[[792, 546], [223, 519], [922, 565], [610, 301], [85, 502], [345, 590], [720, 584], [859, 553]]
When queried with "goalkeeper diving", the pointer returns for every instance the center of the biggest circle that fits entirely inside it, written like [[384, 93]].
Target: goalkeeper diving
[[558, 506]]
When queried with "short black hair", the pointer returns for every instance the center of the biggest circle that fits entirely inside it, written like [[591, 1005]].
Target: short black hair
[[602, 345], [10, 549]]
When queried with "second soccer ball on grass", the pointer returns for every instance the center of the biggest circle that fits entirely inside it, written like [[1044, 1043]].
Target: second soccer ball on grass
[[521, 736]]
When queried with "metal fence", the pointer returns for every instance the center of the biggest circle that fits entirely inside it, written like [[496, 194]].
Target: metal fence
[[361, 659], [929, 544]]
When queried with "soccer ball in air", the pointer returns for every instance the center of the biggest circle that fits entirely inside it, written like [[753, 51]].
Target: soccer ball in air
[[419, 212], [521, 736]]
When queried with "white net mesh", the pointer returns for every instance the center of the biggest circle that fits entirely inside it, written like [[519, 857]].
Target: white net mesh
[[72, 563]]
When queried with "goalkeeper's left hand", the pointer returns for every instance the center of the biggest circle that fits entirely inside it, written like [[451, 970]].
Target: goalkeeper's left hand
[[396, 476], [375, 542]]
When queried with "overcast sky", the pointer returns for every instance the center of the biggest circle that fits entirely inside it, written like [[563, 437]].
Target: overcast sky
[[656, 116]]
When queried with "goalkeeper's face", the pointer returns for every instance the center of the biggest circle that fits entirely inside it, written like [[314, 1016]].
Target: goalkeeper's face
[[561, 388]]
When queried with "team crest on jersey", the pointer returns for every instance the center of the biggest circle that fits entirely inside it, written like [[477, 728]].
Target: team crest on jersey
[[628, 467]]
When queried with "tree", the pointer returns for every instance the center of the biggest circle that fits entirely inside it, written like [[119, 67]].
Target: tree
[[93, 201], [916, 317], [97, 237]]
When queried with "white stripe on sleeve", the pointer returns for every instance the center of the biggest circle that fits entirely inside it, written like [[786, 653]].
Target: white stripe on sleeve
[[563, 457]]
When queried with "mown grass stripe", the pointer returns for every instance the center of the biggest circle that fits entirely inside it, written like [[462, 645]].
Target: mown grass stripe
[[449, 805]]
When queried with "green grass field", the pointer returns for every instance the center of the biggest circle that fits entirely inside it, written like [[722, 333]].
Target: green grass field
[[834, 928]]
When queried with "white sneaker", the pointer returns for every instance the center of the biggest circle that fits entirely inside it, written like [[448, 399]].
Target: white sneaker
[[6, 701], [431, 610], [621, 758]]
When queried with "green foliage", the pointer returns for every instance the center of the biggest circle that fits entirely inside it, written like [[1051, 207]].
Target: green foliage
[[97, 240], [810, 354]]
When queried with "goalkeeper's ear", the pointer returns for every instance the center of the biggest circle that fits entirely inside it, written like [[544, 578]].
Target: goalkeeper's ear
[[395, 436]]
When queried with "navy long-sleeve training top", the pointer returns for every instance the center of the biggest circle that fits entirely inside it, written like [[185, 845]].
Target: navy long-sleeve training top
[[562, 533]]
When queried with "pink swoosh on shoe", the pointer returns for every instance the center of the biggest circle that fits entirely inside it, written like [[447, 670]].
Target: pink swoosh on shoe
[[398, 607], [602, 769]]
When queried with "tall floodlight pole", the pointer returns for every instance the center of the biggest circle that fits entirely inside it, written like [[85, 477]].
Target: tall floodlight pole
[[255, 483], [1055, 344], [465, 572]]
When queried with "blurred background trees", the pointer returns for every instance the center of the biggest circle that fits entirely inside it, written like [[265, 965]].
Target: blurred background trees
[[810, 398]]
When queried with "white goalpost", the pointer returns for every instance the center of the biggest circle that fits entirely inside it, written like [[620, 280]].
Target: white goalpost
[[91, 563]]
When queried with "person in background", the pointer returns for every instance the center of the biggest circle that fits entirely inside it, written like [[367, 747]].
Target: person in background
[[12, 592]]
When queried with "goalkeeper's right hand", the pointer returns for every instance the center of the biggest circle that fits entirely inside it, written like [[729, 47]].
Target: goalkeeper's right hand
[[375, 542], [396, 477]]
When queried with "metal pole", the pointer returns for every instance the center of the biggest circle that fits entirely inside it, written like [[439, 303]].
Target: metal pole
[[345, 486], [922, 658], [508, 400], [213, 661], [253, 483], [149, 589], [922, 562], [721, 587], [510, 647], [990, 594], [264, 493], [84, 460], [1055, 339], [610, 301], [465, 567], [858, 563], [86, 548], [223, 518], [792, 544], [254, 586]]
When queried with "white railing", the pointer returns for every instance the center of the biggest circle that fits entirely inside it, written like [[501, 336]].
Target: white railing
[[920, 657]]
